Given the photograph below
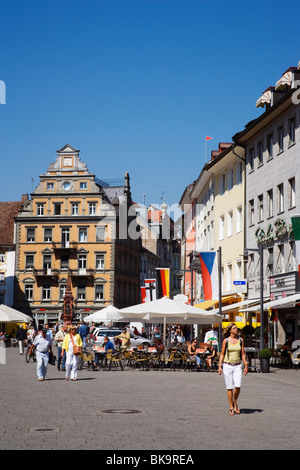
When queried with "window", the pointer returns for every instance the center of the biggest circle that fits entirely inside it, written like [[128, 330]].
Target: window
[[65, 237], [29, 292], [46, 292], [270, 146], [230, 179], [280, 196], [260, 153], [64, 262], [50, 186], [29, 262], [100, 234], [2, 257], [99, 292], [292, 196], [280, 262], [82, 261], [100, 262], [291, 131], [270, 203], [270, 262], [229, 277], [291, 262], [81, 292], [57, 209], [239, 172], [280, 139], [82, 235], [260, 208], [222, 183], [221, 227], [238, 270], [75, 208], [251, 212], [47, 235], [2, 278], [251, 159], [47, 262], [30, 235], [239, 220], [40, 209], [229, 223], [83, 185], [62, 291], [92, 208]]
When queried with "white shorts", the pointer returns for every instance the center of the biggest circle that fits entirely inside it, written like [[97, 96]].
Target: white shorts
[[232, 376]]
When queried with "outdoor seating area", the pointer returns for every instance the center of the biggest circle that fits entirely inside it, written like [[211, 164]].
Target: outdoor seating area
[[146, 359]]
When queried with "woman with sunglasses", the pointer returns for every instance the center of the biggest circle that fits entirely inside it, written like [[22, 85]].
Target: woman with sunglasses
[[232, 355], [71, 342]]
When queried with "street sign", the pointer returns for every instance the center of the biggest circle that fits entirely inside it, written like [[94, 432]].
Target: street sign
[[241, 286]]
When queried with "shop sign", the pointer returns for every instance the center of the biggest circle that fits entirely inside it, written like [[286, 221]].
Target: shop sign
[[274, 231]]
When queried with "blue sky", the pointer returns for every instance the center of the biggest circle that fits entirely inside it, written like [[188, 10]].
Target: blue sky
[[136, 85]]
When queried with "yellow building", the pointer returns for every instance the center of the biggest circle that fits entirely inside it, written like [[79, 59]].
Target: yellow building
[[71, 227]]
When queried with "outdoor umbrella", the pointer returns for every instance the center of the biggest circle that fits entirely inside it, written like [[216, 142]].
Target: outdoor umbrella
[[166, 310], [8, 314], [109, 313]]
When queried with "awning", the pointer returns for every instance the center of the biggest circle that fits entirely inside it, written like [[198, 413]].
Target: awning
[[206, 304], [264, 99], [238, 306], [277, 303], [226, 300], [286, 79]]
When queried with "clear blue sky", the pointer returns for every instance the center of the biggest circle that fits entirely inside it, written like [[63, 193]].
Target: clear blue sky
[[136, 85]]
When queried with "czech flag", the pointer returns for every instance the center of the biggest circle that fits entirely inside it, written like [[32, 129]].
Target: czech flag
[[209, 268]]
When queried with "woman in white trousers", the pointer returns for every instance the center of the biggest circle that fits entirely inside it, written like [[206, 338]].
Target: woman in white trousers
[[70, 341]]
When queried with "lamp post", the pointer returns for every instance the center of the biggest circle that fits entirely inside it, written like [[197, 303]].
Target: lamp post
[[261, 270]]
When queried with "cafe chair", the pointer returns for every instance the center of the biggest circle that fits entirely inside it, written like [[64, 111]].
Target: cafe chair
[[140, 359], [114, 359], [128, 358], [190, 362], [86, 356]]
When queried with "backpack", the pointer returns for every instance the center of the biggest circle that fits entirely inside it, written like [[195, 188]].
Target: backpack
[[226, 346]]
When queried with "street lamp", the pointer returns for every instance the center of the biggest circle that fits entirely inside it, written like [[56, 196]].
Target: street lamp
[[261, 263]]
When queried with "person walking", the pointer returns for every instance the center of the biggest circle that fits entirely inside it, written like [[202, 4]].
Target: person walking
[[43, 344], [59, 338], [83, 331], [71, 342], [21, 336], [232, 355]]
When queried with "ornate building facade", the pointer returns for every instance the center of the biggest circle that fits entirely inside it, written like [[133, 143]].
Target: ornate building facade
[[75, 226]]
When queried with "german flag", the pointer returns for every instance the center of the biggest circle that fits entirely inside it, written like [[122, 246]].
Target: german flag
[[163, 282]]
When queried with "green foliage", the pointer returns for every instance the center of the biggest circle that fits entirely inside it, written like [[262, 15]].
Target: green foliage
[[265, 354]]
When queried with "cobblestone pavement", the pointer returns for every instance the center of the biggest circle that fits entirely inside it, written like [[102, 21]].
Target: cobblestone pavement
[[145, 410]]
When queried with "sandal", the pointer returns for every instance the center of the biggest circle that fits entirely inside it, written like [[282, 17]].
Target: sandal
[[231, 412], [236, 409]]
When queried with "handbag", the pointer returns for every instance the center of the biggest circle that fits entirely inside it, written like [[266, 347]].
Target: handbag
[[76, 349], [52, 359]]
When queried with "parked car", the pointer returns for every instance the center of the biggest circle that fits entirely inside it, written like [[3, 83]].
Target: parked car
[[99, 333]]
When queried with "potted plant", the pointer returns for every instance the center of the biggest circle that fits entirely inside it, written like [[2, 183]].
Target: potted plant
[[264, 357]]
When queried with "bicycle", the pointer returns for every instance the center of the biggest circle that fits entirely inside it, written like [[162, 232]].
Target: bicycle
[[30, 355]]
